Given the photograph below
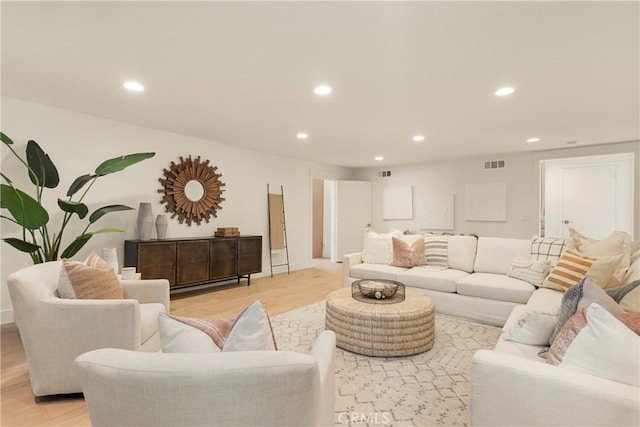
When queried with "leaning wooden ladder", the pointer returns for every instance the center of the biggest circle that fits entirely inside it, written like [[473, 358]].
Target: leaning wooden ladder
[[277, 227]]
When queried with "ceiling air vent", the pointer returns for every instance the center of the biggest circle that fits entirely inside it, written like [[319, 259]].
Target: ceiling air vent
[[384, 174], [494, 164]]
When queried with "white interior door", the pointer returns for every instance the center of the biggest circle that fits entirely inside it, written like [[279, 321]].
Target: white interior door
[[353, 213], [593, 194]]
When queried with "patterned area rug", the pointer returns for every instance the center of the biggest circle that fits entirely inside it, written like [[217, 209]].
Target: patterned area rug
[[428, 389]]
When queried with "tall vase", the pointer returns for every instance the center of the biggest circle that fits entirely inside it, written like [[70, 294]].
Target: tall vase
[[145, 221], [161, 226], [110, 255]]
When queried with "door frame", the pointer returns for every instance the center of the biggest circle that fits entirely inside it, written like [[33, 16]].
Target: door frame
[[626, 159]]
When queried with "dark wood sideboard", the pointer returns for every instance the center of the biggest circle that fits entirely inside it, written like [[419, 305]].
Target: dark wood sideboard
[[195, 261]]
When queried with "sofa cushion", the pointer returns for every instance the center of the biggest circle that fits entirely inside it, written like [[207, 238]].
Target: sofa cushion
[[546, 299], [433, 279], [461, 252], [375, 271], [494, 254], [149, 319], [495, 286]]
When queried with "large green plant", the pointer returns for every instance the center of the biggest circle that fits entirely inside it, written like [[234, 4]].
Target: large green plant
[[28, 212]]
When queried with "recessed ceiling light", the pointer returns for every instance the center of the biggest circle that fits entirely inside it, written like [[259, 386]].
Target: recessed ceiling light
[[572, 142], [379, 158], [533, 139], [418, 138], [133, 86], [322, 90], [302, 135], [504, 91]]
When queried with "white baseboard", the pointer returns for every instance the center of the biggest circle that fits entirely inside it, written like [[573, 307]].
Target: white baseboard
[[6, 316]]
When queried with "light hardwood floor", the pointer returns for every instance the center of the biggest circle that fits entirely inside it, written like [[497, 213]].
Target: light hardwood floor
[[279, 294]]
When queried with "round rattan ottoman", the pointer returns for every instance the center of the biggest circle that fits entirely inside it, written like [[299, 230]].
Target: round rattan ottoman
[[400, 329]]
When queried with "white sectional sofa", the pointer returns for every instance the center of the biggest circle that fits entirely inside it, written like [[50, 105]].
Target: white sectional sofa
[[512, 385], [475, 286]]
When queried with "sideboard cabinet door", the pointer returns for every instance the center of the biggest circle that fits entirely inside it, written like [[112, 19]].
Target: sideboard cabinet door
[[249, 254], [157, 260], [193, 262], [224, 257]]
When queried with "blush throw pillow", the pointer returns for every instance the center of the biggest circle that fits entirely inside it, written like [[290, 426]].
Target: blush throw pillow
[[250, 331], [92, 279], [595, 342], [531, 271], [408, 255]]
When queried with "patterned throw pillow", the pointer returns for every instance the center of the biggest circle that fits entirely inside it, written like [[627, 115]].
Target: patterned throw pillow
[[407, 255], [530, 271], [596, 342], [570, 269], [575, 295], [436, 250], [92, 279], [250, 331], [548, 249]]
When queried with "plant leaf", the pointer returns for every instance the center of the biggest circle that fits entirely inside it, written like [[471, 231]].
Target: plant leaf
[[25, 210], [105, 210], [119, 163], [5, 139], [6, 178], [74, 207], [21, 245], [82, 240], [46, 174], [78, 183], [76, 245]]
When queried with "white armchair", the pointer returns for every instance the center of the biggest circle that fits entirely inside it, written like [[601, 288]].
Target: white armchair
[[251, 388], [54, 331]]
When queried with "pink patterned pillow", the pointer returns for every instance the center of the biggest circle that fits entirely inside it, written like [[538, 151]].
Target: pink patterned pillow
[[574, 326]]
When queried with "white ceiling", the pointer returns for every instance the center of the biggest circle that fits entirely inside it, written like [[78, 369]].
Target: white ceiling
[[243, 73]]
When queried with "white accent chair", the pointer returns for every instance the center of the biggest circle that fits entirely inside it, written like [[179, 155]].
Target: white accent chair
[[54, 331], [244, 388]]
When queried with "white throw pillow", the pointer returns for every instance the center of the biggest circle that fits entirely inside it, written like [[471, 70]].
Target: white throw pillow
[[617, 243], [250, 331], [529, 270], [378, 248], [178, 337], [605, 348], [529, 326]]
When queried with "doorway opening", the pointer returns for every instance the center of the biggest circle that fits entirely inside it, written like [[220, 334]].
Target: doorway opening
[[322, 220]]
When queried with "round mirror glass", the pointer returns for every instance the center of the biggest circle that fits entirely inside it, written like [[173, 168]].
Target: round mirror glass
[[194, 190]]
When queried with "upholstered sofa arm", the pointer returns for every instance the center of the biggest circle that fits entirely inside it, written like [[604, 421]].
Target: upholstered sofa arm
[[114, 322], [324, 352], [507, 390], [348, 261], [147, 291]]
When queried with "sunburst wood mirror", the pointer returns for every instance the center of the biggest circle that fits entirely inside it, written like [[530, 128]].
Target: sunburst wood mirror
[[192, 190]]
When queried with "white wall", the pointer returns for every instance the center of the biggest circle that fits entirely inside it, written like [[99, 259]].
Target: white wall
[[521, 175], [77, 143]]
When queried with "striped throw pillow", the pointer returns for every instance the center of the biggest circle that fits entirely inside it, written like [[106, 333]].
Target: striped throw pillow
[[436, 248], [571, 269]]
